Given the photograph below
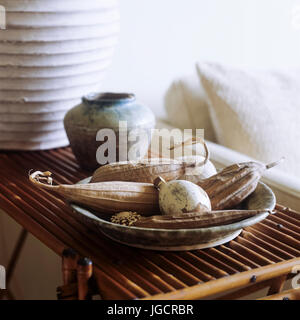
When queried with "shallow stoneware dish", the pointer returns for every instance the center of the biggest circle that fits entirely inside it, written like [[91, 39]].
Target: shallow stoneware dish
[[180, 239]]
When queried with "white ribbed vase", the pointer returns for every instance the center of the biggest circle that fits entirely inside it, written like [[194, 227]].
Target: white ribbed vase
[[51, 54]]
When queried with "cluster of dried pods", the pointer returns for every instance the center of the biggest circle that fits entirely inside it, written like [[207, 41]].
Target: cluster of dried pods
[[128, 186]]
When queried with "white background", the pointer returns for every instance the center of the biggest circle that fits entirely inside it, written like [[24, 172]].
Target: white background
[[162, 39]]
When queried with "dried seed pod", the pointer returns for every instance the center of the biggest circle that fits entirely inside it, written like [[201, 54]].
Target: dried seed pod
[[145, 170], [180, 196], [104, 197], [196, 173], [232, 185], [125, 218], [196, 220]]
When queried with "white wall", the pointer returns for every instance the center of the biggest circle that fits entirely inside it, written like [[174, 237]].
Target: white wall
[[162, 39]]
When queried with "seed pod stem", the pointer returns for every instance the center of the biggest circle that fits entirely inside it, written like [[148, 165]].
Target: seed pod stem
[[274, 164], [193, 141], [158, 182], [39, 176]]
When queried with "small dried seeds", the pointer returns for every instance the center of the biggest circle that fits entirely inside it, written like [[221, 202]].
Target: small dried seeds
[[126, 218]]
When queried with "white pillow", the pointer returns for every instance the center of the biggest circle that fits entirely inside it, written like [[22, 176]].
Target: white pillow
[[255, 112], [186, 106]]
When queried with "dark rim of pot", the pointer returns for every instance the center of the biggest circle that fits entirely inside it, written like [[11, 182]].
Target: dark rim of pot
[[110, 97]]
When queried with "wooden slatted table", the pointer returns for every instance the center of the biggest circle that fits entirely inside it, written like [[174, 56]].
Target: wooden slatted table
[[264, 255]]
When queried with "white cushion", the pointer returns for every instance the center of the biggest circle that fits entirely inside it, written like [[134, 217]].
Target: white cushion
[[256, 112], [186, 106]]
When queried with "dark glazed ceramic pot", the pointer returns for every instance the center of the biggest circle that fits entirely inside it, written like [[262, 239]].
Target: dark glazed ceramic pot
[[92, 125]]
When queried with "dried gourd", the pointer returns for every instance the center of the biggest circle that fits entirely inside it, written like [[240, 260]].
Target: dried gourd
[[146, 170], [232, 185], [196, 220], [194, 173], [179, 196], [104, 197], [140, 171]]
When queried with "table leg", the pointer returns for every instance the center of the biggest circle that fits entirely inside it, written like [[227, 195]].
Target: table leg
[[68, 291], [77, 273], [277, 285], [69, 266], [84, 273]]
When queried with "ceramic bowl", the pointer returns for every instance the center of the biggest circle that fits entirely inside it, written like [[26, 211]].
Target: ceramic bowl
[[183, 239]]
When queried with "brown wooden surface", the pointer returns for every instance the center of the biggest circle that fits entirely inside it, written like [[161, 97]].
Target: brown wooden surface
[[262, 252], [293, 294]]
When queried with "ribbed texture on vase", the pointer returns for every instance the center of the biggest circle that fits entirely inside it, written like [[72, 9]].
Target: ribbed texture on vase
[[56, 5], [22, 20], [58, 60], [61, 33], [32, 136], [47, 95], [33, 118], [50, 72], [44, 109], [35, 84], [28, 127], [31, 146], [52, 53], [57, 47]]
